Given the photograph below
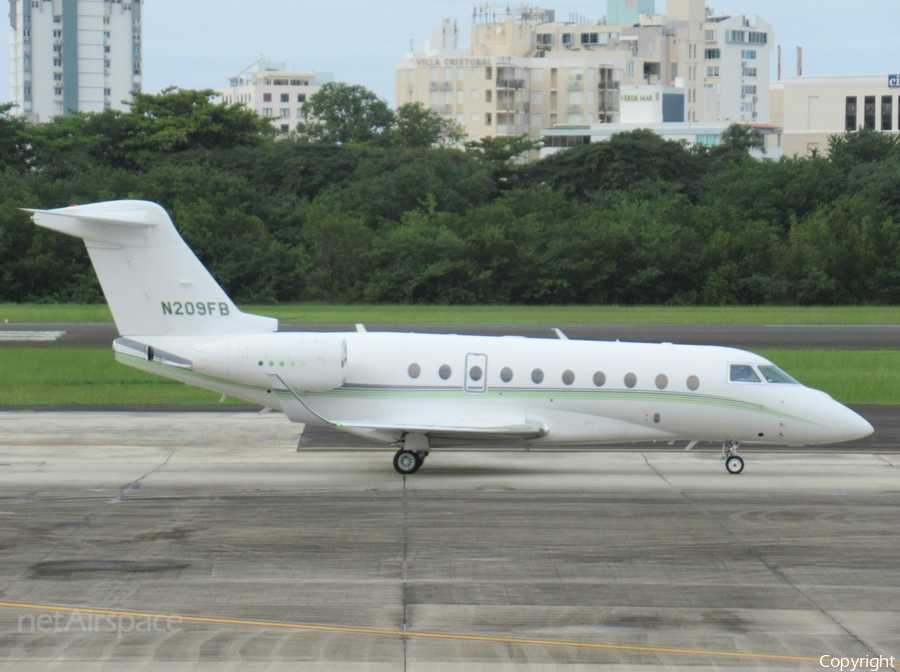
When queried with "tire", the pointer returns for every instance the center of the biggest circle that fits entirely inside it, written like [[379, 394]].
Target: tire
[[407, 462], [734, 464]]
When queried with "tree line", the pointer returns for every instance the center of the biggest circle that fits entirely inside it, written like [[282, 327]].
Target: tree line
[[367, 204]]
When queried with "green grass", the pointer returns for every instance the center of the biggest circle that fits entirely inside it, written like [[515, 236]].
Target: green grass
[[549, 315], [54, 376], [850, 376]]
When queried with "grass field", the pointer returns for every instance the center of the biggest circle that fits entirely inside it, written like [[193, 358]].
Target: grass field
[[54, 376], [549, 315]]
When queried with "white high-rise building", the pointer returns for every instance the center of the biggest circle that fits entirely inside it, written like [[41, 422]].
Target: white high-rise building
[[273, 91], [65, 55]]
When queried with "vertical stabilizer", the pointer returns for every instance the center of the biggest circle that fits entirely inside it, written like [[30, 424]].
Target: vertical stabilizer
[[153, 282]]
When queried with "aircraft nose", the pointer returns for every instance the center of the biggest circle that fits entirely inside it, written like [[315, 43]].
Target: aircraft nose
[[856, 426]]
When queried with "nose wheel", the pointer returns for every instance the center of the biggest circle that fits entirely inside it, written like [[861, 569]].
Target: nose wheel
[[734, 464]]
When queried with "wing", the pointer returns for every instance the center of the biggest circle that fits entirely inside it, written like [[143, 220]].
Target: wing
[[471, 429]]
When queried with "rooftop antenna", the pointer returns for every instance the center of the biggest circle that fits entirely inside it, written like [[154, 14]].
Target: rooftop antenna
[[799, 61]]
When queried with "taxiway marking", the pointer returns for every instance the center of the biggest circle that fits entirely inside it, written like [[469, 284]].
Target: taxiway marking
[[36, 336], [412, 633]]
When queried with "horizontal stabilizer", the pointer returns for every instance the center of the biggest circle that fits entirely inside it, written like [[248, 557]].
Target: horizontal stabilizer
[[129, 218]]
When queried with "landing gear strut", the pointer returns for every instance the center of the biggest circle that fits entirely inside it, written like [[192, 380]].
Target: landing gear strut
[[733, 462]]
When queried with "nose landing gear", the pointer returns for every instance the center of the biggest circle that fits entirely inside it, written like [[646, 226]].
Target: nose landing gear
[[733, 462]]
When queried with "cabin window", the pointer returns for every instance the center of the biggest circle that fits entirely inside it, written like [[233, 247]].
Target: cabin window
[[414, 370], [537, 376], [506, 374], [475, 373], [693, 382], [444, 372], [568, 377], [662, 381], [773, 374], [630, 380], [599, 379], [743, 373]]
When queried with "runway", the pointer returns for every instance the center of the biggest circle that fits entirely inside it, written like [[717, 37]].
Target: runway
[[849, 337], [253, 555]]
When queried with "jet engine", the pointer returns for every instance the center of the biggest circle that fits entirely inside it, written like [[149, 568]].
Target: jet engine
[[306, 362]]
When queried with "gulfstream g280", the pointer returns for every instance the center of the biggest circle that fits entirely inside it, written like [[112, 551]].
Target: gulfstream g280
[[419, 392]]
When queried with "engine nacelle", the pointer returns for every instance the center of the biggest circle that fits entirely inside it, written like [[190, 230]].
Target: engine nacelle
[[307, 362]]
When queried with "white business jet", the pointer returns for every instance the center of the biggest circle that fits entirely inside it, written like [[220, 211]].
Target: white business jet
[[419, 392]]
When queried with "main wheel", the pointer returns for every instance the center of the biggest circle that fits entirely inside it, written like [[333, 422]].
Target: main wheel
[[407, 462], [734, 464]]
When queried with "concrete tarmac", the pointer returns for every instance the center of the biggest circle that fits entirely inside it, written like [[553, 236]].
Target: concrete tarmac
[[269, 558], [745, 336], [244, 425]]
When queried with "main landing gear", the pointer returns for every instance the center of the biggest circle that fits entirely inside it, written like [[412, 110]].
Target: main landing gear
[[413, 453], [408, 461], [733, 462]]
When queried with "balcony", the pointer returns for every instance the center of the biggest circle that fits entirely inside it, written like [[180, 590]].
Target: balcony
[[441, 109], [511, 129], [574, 109], [575, 85], [510, 83], [440, 86], [512, 106]]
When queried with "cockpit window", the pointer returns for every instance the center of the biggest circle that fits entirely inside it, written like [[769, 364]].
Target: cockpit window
[[743, 373], [773, 374]]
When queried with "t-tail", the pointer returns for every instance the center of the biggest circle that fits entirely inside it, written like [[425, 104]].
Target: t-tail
[[153, 282]]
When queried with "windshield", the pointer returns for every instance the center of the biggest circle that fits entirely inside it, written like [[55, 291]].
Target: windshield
[[743, 373], [773, 374]]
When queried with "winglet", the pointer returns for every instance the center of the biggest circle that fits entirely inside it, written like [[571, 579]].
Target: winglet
[[560, 335]]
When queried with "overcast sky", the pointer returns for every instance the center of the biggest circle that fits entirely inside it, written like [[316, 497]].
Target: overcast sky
[[199, 43]]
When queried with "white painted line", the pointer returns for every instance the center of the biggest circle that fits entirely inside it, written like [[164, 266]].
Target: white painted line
[[30, 335]]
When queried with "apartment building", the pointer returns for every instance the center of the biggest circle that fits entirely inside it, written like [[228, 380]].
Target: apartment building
[[812, 109], [73, 55], [736, 61], [273, 91], [527, 71]]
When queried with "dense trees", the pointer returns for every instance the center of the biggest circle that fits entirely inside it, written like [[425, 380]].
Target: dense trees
[[351, 114], [370, 204]]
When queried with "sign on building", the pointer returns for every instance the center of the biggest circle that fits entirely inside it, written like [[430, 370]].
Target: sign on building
[[894, 81]]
